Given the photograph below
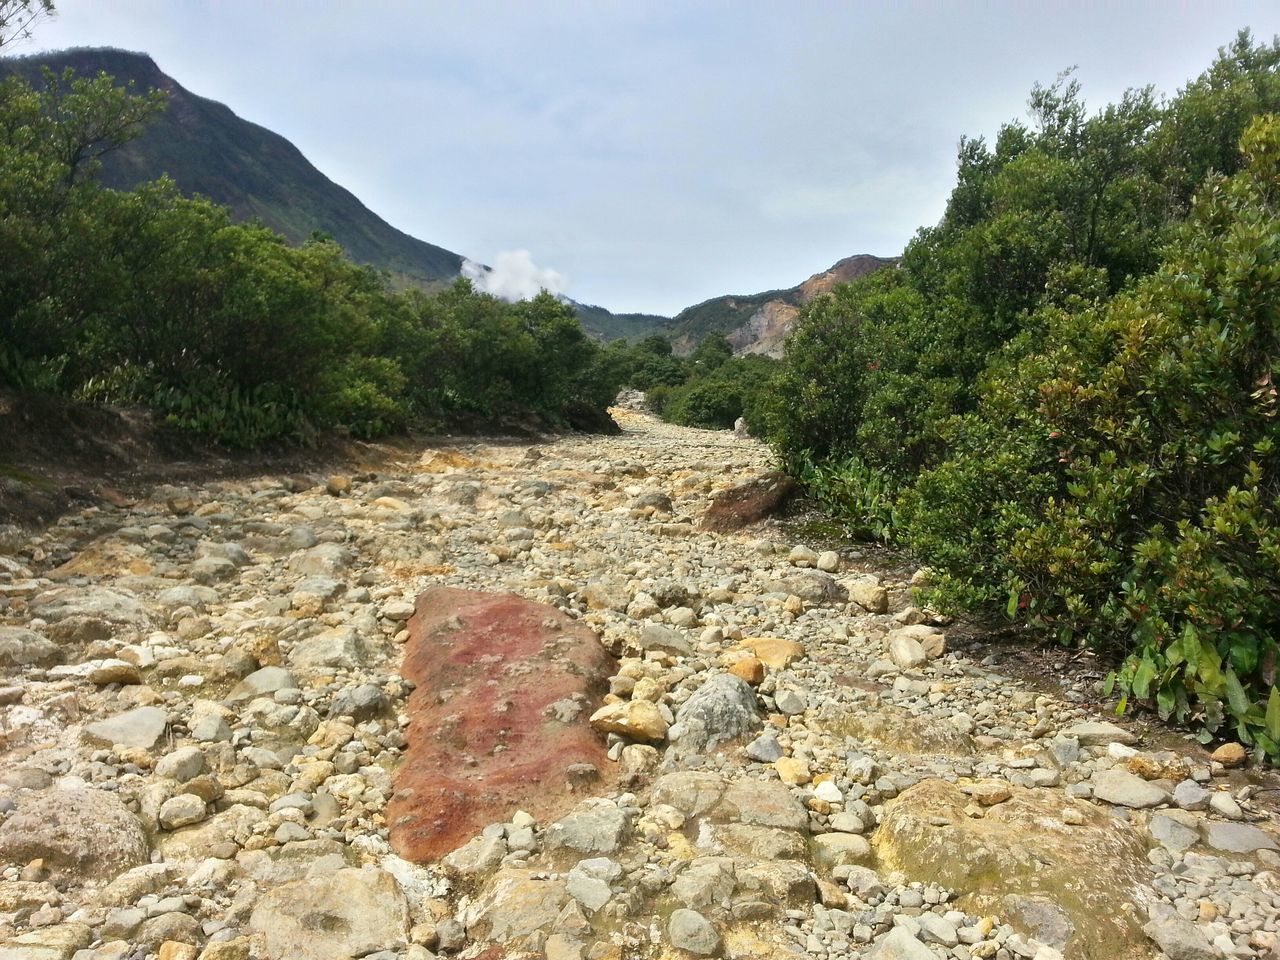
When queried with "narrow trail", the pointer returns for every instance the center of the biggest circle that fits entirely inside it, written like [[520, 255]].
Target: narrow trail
[[202, 721]]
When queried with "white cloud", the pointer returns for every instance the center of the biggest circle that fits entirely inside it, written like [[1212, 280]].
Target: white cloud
[[514, 276]]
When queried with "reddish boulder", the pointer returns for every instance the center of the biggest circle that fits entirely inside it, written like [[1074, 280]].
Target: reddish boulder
[[749, 502], [494, 719]]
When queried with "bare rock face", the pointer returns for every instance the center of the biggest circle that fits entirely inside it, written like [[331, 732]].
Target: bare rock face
[[1087, 871], [486, 737], [348, 913], [749, 503], [80, 834]]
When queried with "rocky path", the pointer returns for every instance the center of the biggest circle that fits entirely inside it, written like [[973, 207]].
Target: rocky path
[[203, 732]]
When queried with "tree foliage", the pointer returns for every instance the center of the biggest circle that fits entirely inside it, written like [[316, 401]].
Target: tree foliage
[[1064, 401], [144, 296]]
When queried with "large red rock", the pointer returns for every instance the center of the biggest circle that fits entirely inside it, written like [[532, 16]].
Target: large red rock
[[749, 502], [484, 737]]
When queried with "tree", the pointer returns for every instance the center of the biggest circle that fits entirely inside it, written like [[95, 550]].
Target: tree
[[18, 17]]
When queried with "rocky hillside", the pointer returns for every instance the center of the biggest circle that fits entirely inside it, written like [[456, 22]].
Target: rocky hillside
[[206, 149], [514, 700], [760, 323]]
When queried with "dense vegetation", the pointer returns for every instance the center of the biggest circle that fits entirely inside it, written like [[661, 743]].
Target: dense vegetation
[[1064, 400], [710, 388], [143, 296]]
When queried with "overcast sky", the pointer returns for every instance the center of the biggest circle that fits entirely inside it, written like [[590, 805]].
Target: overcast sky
[[655, 152]]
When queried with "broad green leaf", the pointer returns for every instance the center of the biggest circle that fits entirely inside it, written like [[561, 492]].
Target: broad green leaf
[[1237, 699], [1272, 724], [1142, 679]]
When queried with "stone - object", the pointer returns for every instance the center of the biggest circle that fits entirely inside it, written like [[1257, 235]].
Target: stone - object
[[720, 711], [906, 652], [1124, 789], [636, 719], [691, 931], [1095, 733], [20, 647], [79, 834], [748, 503], [867, 593], [1180, 939], [482, 742], [141, 727], [347, 913], [1229, 755], [1088, 870], [900, 944], [515, 905]]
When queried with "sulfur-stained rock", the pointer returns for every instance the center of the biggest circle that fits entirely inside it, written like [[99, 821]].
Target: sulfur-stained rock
[[636, 719], [776, 654], [482, 741], [749, 503], [1023, 847], [514, 905]]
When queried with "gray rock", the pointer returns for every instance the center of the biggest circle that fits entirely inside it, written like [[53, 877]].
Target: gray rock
[[722, 709], [934, 929], [765, 748], [1095, 733], [906, 652], [1180, 939], [20, 647], [654, 636], [790, 702], [1126, 790], [112, 606], [476, 857], [689, 930], [1189, 795], [1224, 805], [360, 703], [705, 882], [182, 811], [78, 833], [589, 881], [1237, 837], [185, 763], [813, 586], [336, 648], [262, 682], [596, 825], [1041, 918], [1172, 834], [899, 944], [141, 727]]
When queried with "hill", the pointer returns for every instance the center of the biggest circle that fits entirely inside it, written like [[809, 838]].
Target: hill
[[207, 149], [760, 322]]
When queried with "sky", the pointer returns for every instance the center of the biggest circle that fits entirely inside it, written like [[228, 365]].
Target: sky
[[652, 154]]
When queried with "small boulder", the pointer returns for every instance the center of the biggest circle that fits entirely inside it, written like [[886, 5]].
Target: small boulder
[[79, 834]]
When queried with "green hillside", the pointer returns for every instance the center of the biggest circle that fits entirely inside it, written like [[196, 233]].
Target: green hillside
[[208, 150]]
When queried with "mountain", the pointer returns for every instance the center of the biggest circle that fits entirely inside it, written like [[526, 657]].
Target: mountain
[[760, 322], [206, 149]]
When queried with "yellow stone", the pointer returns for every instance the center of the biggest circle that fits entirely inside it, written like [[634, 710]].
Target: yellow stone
[[792, 770], [775, 653]]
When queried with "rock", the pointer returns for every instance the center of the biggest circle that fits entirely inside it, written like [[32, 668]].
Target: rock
[[989, 793], [1096, 733], [749, 503], [831, 850], [79, 834], [775, 653], [185, 763], [486, 668], [1172, 833], [596, 825], [588, 882], [749, 669], [1127, 790], [828, 561], [691, 931], [1225, 806], [361, 703], [811, 586], [338, 485], [1189, 795], [59, 942], [233, 826], [1088, 871], [654, 636], [765, 748], [141, 727], [358, 912], [867, 593], [793, 770], [906, 652], [1040, 918], [20, 647], [92, 603], [899, 944], [515, 905], [1237, 837], [114, 671], [1230, 755], [262, 682], [182, 811], [1180, 939], [790, 703], [635, 719], [723, 709], [932, 640], [338, 648], [478, 856]]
